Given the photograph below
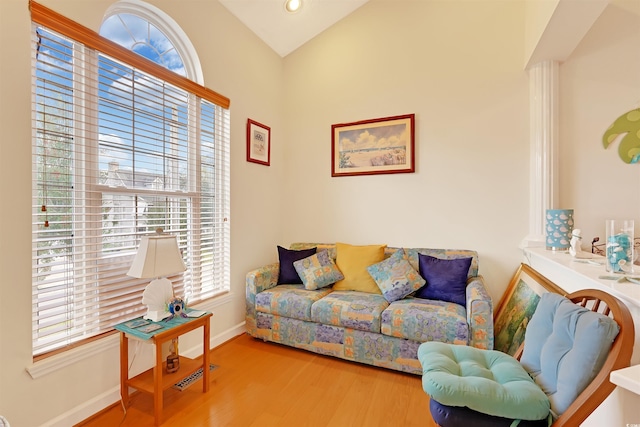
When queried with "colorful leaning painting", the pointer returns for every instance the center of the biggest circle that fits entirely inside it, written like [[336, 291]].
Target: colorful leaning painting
[[517, 307]]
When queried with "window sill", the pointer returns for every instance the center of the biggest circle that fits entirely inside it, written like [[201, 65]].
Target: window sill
[[62, 360]]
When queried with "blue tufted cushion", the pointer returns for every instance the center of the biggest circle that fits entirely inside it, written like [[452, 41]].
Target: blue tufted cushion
[[486, 381], [565, 348]]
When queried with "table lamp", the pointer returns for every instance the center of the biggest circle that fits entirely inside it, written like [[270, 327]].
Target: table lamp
[[158, 256]]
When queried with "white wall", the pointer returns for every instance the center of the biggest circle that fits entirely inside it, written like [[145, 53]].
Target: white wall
[[456, 64], [458, 67], [598, 83], [236, 64]]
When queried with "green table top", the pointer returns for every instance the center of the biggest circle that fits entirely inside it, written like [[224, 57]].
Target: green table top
[[129, 327]]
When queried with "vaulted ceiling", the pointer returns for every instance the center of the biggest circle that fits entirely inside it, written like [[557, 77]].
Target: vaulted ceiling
[[564, 22], [283, 31]]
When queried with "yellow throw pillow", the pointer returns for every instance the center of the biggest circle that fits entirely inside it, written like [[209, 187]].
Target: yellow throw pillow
[[353, 262]]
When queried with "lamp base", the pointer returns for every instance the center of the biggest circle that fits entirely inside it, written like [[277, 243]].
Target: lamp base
[[156, 316], [156, 296]]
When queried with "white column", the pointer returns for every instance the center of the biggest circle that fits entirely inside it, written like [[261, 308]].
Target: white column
[[543, 140]]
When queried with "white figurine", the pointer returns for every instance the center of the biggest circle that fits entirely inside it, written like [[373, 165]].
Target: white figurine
[[576, 244]]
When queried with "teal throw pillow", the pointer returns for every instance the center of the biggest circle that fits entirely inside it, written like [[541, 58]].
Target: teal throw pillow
[[318, 271], [395, 277]]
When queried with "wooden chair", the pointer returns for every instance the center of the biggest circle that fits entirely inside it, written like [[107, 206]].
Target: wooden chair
[[596, 391], [619, 355]]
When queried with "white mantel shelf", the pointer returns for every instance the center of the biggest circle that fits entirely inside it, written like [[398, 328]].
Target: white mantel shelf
[[572, 274], [628, 378]]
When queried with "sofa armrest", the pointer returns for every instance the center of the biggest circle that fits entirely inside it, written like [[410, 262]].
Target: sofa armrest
[[479, 314], [258, 280], [262, 278]]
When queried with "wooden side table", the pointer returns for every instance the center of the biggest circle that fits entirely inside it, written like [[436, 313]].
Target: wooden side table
[[154, 381]]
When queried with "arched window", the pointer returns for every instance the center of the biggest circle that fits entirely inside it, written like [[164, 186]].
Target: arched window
[[144, 38], [121, 147], [149, 31]]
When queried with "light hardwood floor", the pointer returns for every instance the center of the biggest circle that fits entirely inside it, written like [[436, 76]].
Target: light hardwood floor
[[261, 384]]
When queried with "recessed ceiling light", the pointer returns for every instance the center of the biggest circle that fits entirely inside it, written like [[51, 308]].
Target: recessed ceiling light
[[292, 6]]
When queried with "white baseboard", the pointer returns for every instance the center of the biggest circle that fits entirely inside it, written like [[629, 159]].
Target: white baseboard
[[85, 410], [221, 338], [109, 397]]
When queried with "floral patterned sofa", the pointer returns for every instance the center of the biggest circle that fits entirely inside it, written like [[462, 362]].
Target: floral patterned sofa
[[365, 327]]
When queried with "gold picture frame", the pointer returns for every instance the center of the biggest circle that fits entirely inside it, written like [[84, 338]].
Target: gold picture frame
[[517, 306], [375, 146]]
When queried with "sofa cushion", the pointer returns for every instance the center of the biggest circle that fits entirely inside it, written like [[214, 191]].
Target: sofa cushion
[[287, 273], [350, 309], [446, 279], [353, 262], [395, 277], [565, 348], [426, 320], [289, 301], [318, 271]]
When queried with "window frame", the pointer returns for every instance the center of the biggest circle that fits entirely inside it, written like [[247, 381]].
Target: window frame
[[173, 32], [42, 16], [69, 28]]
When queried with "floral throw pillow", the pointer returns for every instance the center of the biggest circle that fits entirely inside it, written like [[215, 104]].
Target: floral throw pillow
[[395, 277], [318, 271]]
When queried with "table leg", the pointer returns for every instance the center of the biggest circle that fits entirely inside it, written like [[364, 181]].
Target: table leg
[[157, 384], [124, 369], [205, 358]]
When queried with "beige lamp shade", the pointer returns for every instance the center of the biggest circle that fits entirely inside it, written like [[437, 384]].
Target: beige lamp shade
[[157, 256]]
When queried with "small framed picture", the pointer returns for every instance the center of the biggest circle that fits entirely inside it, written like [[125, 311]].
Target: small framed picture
[[136, 323], [258, 143]]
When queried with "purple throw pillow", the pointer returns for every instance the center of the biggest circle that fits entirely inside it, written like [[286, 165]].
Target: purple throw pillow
[[288, 273], [446, 279]]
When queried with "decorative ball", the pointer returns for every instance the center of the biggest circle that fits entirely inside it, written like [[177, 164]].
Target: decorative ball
[[176, 306]]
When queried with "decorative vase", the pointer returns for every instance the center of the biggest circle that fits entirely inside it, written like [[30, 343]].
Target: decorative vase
[[619, 245], [559, 227]]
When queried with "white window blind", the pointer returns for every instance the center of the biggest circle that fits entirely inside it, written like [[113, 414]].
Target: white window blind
[[118, 152]]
